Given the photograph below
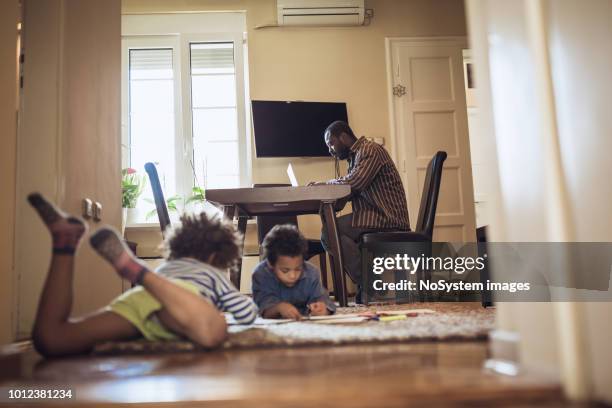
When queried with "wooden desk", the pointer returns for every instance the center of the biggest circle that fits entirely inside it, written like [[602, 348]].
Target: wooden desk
[[324, 200]]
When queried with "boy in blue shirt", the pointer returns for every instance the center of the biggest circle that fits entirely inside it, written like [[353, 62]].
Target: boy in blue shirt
[[284, 285]]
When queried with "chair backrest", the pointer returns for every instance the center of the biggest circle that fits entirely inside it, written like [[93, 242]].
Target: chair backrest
[[429, 198], [158, 196], [266, 222]]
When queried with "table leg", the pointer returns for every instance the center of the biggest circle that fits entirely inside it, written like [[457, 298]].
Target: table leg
[[329, 220], [230, 211], [236, 272]]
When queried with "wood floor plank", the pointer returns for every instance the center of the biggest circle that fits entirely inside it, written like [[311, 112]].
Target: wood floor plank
[[389, 375]]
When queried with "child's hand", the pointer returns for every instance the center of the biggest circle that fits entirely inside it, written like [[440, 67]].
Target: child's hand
[[318, 309], [288, 311]]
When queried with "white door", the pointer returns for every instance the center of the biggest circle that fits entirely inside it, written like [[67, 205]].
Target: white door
[[428, 113]]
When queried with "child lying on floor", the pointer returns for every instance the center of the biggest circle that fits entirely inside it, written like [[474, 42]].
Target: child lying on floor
[[184, 297], [284, 285]]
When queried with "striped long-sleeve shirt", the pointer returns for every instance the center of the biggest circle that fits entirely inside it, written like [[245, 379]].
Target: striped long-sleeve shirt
[[378, 197], [213, 285]]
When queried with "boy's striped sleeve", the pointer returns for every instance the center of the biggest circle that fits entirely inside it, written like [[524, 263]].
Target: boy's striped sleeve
[[214, 286], [240, 306]]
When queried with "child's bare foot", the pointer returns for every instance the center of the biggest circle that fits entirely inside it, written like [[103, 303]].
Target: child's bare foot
[[110, 246], [66, 230]]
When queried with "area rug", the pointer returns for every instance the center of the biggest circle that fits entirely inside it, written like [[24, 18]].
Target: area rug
[[452, 321]]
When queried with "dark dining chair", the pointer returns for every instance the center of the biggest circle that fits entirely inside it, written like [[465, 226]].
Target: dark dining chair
[[266, 222], [158, 197], [423, 229]]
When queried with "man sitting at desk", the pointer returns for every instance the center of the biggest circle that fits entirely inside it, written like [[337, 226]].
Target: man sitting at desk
[[378, 197]]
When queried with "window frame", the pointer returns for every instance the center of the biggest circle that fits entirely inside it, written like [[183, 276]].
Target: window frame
[[183, 137], [239, 68]]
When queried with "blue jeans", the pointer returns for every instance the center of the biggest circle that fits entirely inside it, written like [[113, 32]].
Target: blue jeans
[[349, 241]]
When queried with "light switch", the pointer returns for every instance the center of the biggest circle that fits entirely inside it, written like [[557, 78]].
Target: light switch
[[97, 211], [87, 208]]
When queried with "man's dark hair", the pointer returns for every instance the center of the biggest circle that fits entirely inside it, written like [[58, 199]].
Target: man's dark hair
[[200, 235], [339, 126], [284, 240]]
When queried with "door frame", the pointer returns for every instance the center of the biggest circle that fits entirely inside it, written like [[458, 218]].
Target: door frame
[[399, 146]]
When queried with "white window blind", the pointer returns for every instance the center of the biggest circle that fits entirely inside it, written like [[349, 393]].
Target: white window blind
[[151, 61], [212, 58]]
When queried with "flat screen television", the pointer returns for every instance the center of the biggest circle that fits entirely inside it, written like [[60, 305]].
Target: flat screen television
[[293, 129]]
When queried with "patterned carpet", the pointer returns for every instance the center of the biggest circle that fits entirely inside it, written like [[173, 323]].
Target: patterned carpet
[[452, 321]]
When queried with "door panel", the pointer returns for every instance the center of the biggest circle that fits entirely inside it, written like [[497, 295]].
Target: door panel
[[92, 74], [432, 116], [69, 141]]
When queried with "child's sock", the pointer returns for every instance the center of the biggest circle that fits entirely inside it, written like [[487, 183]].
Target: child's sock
[[108, 244], [65, 229]]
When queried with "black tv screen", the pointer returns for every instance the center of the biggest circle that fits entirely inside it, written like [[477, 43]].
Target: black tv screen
[[293, 129]]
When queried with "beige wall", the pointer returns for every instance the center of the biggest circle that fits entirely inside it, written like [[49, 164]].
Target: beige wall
[[8, 130], [324, 64]]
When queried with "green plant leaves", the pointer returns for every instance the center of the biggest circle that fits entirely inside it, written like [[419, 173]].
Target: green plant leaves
[[132, 185], [171, 204], [197, 195]]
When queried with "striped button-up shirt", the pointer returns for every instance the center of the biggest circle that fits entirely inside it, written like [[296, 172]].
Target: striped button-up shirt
[[378, 197]]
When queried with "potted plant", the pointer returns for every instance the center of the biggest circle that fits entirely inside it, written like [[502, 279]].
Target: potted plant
[[195, 202], [197, 196], [171, 204], [132, 185]]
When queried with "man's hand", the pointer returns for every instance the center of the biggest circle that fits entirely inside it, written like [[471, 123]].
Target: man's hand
[[318, 309], [288, 311], [316, 183]]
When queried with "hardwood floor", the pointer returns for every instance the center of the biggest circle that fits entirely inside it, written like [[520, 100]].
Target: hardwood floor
[[374, 375]]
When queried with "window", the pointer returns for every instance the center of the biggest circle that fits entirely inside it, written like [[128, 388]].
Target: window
[[214, 114], [184, 106], [152, 113]]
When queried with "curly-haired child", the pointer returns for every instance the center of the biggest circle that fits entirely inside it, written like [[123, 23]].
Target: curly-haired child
[[284, 285], [183, 298]]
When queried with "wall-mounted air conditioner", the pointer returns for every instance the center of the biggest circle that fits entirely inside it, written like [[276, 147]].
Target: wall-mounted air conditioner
[[320, 12]]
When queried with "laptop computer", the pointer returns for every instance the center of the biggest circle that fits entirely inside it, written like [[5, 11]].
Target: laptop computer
[[292, 177]]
